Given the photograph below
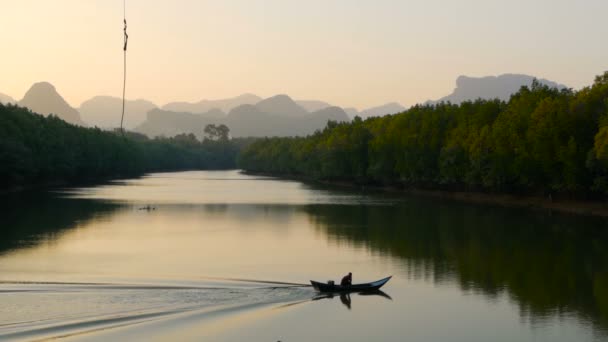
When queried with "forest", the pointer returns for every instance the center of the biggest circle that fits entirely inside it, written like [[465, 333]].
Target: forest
[[541, 141], [37, 150]]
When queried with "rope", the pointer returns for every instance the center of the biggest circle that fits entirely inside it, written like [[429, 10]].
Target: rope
[[124, 71]]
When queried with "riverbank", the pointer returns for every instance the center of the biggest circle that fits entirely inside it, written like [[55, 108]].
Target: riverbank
[[589, 208], [563, 205], [570, 206], [59, 184], [85, 182]]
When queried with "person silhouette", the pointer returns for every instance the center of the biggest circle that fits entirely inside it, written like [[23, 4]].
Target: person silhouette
[[347, 280]]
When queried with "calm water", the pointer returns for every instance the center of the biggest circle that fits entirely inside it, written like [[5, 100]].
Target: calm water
[[222, 254]]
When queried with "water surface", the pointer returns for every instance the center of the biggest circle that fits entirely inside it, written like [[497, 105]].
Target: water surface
[[221, 256]]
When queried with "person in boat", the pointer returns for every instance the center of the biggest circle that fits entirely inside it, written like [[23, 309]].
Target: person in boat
[[347, 280]]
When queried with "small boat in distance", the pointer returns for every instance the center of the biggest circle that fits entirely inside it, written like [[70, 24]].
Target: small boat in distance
[[148, 208], [331, 287]]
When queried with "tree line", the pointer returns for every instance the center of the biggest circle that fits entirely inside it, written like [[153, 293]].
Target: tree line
[[542, 141], [43, 150]]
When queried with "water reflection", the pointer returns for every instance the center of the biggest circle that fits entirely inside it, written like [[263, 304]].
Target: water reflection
[[346, 298], [548, 265], [30, 219]]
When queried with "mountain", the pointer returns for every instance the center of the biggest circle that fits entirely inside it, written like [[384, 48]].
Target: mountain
[[105, 111], [275, 116], [389, 108], [281, 105], [44, 99], [312, 105], [333, 113], [164, 123], [251, 121], [5, 99], [203, 106], [226, 105], [352, 112], [491, 87]]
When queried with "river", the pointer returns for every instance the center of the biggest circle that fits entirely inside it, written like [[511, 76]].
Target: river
[[224, 256]]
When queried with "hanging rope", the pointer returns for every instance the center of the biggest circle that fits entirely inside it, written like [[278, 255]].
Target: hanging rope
[[124, 72]]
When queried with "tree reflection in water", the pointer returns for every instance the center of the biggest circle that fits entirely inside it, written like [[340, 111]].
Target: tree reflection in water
[[548, 264], [32, 218]]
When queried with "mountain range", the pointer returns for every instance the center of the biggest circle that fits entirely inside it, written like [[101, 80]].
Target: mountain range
[[203, 106], [275, 116], [226, 105], [246, 114]]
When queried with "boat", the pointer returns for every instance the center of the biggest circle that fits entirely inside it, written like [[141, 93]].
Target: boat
[[366, 287]]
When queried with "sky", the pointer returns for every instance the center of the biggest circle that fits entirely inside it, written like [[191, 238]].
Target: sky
[[350, 53]]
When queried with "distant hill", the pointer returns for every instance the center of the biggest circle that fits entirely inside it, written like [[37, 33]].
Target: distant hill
[[5, 99], [251, 121], [385, 109], [491, 87], [275, 116], [281, 105], [352, 112], [389, 108], [312, 105], [333, 113], [44, 99], [203, 106], [105, 111], [164, 123]]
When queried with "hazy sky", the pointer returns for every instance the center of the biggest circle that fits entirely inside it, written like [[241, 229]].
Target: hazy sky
[[347, 52]]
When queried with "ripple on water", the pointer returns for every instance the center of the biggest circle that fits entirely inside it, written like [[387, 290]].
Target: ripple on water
[[39, 310]]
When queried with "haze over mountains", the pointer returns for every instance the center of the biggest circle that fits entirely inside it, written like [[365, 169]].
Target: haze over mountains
[[226, 105], [491, 87], [389, 108], [276, 116], [105, 112], [5, 99], [313, 105], [250, 115], [246, 114], [203, 106]]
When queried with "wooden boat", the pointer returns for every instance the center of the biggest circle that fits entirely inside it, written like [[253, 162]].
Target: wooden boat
[[366, 287]]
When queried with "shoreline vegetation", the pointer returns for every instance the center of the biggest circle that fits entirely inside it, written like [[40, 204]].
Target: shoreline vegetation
[[559, 204], [563, 205], [544, 148], [38, 152]]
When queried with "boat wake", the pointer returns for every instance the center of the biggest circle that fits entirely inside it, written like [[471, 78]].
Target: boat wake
[[40, 311]]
